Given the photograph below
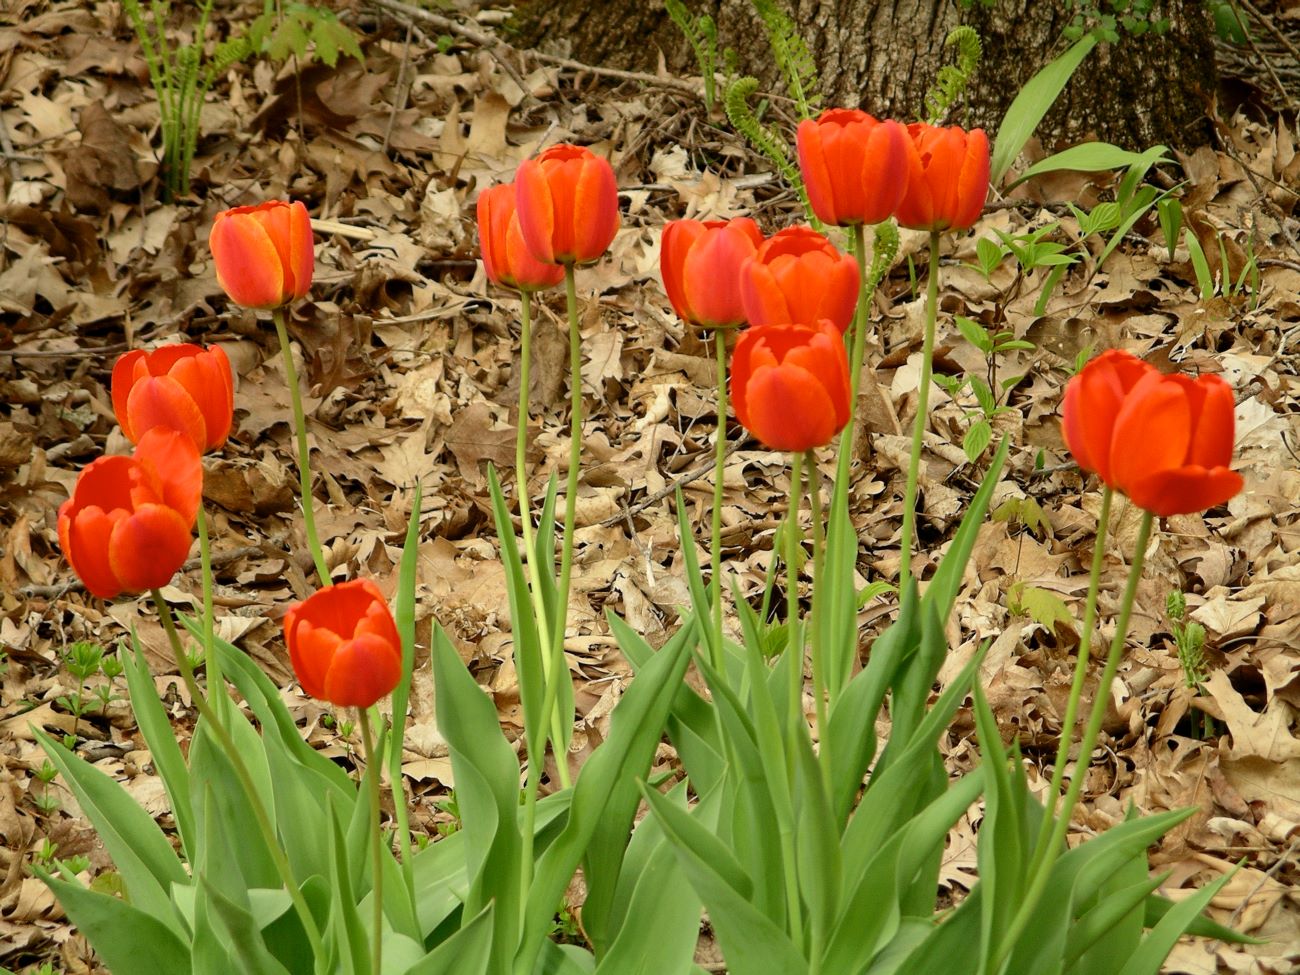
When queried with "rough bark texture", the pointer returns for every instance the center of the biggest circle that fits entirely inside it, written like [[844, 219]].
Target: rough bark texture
[[883, 55]]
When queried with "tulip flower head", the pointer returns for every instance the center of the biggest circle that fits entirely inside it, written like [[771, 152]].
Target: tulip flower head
[[263, 254], [854, 167], [947, 180], [182, 387], [343, 644], [506, 257], [567, 201], [127, 526], [797, 277], [700, 264], [1163, 440], [790, 384]]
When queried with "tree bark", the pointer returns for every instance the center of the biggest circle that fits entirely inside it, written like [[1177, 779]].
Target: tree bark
[[883, 55]]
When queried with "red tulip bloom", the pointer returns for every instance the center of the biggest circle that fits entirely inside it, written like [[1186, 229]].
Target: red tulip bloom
[[506, 257], [948, 177], [344, 645], [181, 387], [568, 205], [126, 527], [700, 264], [263, 254], [1163, 440], [797, 277], [854, 166], [790, 384]]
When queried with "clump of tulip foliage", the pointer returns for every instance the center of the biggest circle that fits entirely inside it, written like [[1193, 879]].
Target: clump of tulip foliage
[[812, 847]]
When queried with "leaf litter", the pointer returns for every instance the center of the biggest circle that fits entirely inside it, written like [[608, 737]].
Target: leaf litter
[[411, 363]]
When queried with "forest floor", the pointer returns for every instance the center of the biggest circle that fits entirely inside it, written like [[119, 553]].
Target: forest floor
[[411, 360]]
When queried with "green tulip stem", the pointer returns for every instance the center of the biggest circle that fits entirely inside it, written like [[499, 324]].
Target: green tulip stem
[[227, 744], [216, 683], [719, 466], [560, 669], [1038, 879], [373, 762], [304, 455], [922, 415], [859, 315], [1082, 657], [794, 650], [819, 557]]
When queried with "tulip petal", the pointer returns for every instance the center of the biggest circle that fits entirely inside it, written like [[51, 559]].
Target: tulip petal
[[1185, 490], [1213, 423], [363, 670], [311, 651], [126, 371], [1152, 431], [148, 546], [301, 261], [536, 210], [789, 409], [164, 402], [247, 262], [173, 459], [84, 537]]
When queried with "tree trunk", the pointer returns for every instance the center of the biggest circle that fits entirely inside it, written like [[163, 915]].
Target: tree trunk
[[883, 55]]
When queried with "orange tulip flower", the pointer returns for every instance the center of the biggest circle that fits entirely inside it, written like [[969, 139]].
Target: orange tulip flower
[[797, 277], [854, 166], [1163, 440], [182, 387], [568, 205], [506, 257], [263, 254], [343, 644], [790, 384], [126, 527], [948, 177], [700, 264]]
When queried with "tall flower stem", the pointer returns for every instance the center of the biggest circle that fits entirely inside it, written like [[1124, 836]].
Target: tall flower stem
[[859, 315], [560, 668], [794, 650], [304, 455], [819, 558], [922, 414], [373, 762], [216, 682], [1038, 880], [278, 858], [1082, 658], [719, 467]]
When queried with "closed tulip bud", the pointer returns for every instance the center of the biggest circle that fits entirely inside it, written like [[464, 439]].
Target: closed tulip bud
[[790, 384], [1163, 440], [126, 527], [344, 645], [263, 254], [700, 264], [947, 179], [568, 205], [797, 277], [854, 167], [180, 387], [506, 257]]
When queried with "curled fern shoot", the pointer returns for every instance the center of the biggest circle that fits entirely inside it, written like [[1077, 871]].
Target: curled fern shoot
[[792, 57], [884, 249], [745, 121], [953, 79], [702, 33]]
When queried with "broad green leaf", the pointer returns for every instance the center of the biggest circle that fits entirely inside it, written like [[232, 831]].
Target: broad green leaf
[[127, 937], [1156, 946], [404, 615], [1089, 157], [605, 799], [1099, 925], [345, 930], [752, 944], [1002, 840], [467, 952], [976, 440], [487, 790], [1031, 104], [156, 727], [243, 935], [139, 849], [694, 580]]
